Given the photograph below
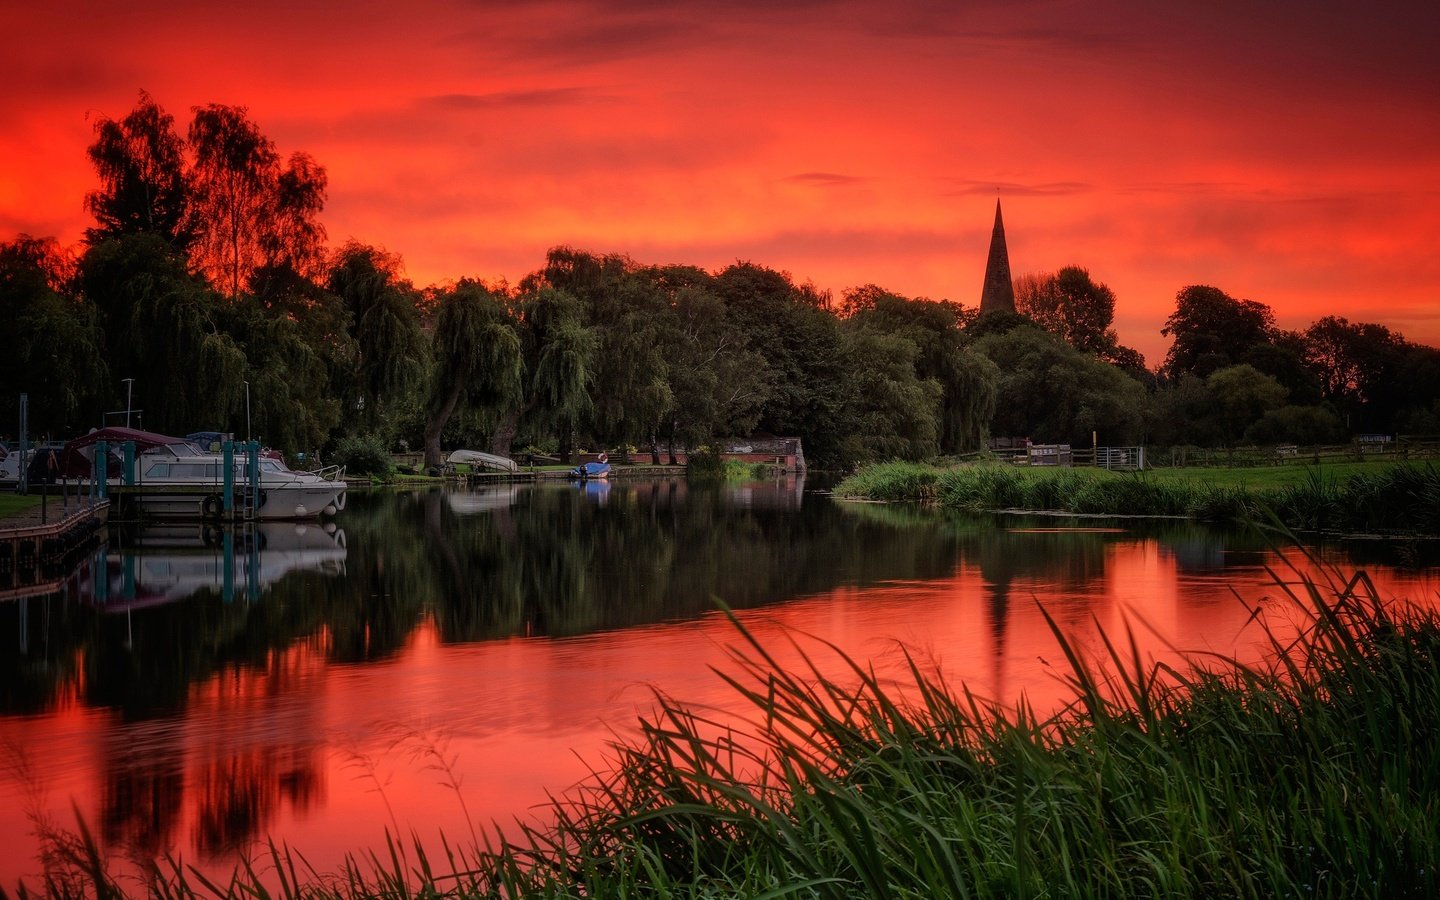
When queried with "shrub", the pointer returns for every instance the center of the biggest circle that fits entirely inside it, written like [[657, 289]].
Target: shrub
[[363, 455]]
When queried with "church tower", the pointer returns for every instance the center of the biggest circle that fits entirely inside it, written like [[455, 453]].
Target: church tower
[[999, 290]]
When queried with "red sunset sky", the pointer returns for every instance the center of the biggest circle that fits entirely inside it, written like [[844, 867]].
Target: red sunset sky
[[1286, 152]]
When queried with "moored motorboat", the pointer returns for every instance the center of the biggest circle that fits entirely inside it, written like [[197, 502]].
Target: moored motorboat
[[172, 478]]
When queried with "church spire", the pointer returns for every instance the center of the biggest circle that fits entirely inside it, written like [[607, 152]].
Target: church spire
[[998, 291]]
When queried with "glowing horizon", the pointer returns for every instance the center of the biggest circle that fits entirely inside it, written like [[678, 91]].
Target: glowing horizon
[[1286, 154]]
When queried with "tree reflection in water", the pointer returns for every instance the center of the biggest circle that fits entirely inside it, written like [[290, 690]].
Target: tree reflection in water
[[200, 666]]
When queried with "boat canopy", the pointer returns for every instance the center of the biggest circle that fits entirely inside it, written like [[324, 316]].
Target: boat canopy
[[77, 462]]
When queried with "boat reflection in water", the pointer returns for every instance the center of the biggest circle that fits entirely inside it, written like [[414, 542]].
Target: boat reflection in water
[[162, 563]]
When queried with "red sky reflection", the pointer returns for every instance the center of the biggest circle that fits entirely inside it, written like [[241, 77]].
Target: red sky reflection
[[1285, 152], [324, 757]]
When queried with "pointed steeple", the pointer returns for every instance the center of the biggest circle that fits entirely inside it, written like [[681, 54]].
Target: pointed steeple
[[998, 291]]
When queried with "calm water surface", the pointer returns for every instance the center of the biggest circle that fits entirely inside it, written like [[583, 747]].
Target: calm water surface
[[447, 657]]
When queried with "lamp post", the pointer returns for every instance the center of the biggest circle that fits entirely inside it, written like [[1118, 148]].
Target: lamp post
[[129, 393], [247, 411]]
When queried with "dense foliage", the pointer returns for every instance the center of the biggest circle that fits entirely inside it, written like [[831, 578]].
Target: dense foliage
[[205, 298]]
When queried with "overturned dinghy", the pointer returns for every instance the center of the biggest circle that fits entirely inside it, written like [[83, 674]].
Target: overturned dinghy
[[477, 460]]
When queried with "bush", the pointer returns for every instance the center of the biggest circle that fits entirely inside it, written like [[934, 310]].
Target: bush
[[705, 465], [363, 455]]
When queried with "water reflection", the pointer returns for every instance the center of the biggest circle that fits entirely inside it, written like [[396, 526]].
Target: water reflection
[[197, 690], [160, 563]]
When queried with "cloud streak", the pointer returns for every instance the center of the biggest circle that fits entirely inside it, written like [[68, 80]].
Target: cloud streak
[[1285, 152]]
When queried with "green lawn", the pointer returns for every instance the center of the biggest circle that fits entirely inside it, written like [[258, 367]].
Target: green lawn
[[1260, 477], [10, 504]]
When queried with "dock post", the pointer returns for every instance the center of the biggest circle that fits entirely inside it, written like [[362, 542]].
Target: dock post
[[100, 484], [227, 450], [252, 475]]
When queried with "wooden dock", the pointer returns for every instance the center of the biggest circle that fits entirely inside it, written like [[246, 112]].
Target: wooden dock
[[37, 547]]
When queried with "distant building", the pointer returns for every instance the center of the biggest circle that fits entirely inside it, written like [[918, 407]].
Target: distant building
[[784, 453], [999, 290]]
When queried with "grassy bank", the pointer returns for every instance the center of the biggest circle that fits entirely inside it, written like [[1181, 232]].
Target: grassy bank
[[1315, 775], [1398, 498], [10, 504]]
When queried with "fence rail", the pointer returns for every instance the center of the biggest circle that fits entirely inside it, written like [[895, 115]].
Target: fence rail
[[1402, 447]]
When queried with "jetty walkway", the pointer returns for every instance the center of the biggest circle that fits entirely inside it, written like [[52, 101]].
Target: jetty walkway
[[38, 544]]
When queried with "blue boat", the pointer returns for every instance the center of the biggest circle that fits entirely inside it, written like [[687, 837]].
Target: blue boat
[[593, 471]]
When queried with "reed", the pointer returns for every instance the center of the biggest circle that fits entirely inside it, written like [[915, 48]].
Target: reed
[[1314, 774], [1397, 499], [891, 481]]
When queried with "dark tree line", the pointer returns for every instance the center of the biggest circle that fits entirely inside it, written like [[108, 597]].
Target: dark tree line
[[206, 283]]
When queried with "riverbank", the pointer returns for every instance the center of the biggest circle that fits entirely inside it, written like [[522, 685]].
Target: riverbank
[[1315, 774], [1352, 498]]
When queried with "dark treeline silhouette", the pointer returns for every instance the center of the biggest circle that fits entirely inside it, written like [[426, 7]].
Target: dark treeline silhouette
[[205, 297]]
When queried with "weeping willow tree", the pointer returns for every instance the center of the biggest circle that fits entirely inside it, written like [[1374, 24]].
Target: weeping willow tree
[[559, 359], [161, 329], [477, 358], [390, 349], [972, 388]]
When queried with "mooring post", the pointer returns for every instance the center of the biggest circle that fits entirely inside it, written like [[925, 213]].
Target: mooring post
[[99, 484], [227, 450], [252, 474]]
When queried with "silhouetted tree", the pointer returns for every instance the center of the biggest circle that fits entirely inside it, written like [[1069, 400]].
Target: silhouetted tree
[[144, 187], [247, 209], [1212, 330], [893, 413], [967, 388], [1072, 306]]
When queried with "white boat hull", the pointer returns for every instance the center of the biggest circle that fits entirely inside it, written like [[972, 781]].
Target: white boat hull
[[279, 502]]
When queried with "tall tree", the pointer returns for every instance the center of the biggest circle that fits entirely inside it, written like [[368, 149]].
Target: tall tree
[[1052, 392], [1072, 306], [967, 395], [390, 349], [893, 413], [1212, 330], [1243, 395], [1351, 360], [161, 328], [247, 209], [717, 381], [54, 346], [143, 183], [808, 383], [558, 351], [477, 357]]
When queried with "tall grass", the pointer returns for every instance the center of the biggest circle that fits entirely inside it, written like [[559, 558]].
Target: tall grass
[[1315, 774], [891, 481], [1395, 499]]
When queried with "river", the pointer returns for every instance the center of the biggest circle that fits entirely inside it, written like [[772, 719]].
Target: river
[[438, 660]]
